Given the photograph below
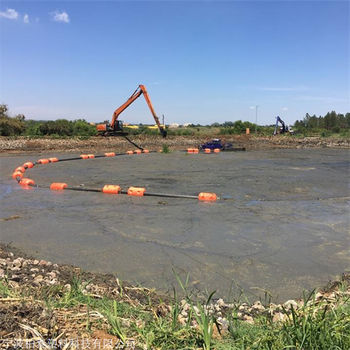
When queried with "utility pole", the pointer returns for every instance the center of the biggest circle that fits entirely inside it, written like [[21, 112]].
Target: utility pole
[[256, 120], [163, 119]]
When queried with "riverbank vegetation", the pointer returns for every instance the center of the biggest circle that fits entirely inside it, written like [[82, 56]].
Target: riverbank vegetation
[[53, 303], [332, 124]]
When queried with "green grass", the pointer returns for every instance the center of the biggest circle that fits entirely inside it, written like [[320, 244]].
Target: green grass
[[165, 149], [315, 325], [5, 290]]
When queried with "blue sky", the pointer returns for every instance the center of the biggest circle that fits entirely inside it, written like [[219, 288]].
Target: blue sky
[[201, 61]]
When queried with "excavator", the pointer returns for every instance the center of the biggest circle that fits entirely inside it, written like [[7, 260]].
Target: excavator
[[115, 128], [285, 128]]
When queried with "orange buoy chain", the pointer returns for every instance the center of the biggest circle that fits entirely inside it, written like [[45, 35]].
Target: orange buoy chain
[[206, 150], [108, 189]]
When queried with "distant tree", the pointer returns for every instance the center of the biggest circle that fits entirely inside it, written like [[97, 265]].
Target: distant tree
[[341, 121], [313, 122], [61, 127], [330, 120], [321, 122], [299, 124], [306, 120], [3, 110], [20, 117], [347, 118], [228, 124], [10, 126]]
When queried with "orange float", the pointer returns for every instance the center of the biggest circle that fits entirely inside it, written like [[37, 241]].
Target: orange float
[[21, 169], [205, 196], [129, 152], [216, 150], [207, 150], [110, 154], [136, 191], [53, 160], [26, 182], [28, 165], [43, 161], [57, 186], [145, 151], [17, 174], [111, 189]]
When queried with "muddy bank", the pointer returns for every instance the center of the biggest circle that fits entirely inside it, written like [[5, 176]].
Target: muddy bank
[[156, 142]]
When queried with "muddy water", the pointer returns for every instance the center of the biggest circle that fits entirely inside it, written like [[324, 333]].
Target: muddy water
[[282, 226]]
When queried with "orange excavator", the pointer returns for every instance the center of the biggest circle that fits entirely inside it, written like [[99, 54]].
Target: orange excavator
[[115, 128]]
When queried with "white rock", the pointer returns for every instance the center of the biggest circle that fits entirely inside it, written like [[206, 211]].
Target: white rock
[[221, 302], [290, 303], [279, 317], [248, 319]]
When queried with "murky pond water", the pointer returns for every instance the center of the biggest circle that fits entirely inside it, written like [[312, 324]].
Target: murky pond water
[[283, 224]]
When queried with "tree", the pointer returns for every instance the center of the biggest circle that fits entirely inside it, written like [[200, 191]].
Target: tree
[[3, 110], [347, 118], [215, 125], [306, 120], [228, 124], [20, 117], [330, 120], [10, 126]]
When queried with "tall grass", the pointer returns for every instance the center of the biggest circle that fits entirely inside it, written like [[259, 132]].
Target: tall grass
[[315, 324]]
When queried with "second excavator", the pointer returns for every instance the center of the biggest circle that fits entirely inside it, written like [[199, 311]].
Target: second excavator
[[115, 128], [284, 129]]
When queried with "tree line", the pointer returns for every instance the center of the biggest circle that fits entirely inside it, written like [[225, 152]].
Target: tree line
[[332, 122], [18, 126], [326, 125]]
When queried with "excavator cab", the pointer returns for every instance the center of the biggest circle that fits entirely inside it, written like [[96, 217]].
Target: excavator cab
[[107, 130]]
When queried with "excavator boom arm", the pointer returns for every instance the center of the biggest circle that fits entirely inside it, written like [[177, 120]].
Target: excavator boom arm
[[137, 93]]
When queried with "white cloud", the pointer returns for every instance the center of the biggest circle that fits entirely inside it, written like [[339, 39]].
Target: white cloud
[[9, 13], [284, 109], [26, 18], [60, 17]]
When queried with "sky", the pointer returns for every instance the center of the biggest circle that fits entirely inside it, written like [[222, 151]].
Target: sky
[[201, 61]]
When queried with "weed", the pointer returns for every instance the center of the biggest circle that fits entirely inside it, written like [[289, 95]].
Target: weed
[[165, 149]]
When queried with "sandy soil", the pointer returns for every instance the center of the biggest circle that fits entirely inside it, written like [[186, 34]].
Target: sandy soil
[[156, 142]]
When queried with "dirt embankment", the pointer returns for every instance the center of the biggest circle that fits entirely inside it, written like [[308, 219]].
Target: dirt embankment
[[41, 301], [155, 142]]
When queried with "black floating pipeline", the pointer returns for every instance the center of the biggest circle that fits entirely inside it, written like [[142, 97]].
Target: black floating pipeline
[[115, 189], [107, 189]]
